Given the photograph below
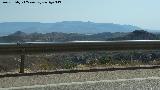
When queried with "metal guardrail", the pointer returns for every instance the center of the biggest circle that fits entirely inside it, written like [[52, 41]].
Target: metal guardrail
[[74, 46]]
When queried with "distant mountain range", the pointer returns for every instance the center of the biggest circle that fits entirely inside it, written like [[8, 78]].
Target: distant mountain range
[[65, 27], [20, 36]]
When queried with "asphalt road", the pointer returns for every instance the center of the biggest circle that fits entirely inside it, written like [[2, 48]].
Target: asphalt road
[[148, 79]]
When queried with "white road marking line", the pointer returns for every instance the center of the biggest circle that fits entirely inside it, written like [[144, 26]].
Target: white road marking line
[[80, 83]]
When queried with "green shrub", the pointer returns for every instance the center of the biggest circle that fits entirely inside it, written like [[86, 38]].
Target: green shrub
[[68, 64]]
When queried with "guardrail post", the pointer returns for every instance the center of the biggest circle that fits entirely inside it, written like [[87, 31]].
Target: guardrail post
[[22, 63], [22, 56]]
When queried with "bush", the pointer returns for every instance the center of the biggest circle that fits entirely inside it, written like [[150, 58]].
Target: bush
[[104, 60], [68, 64]]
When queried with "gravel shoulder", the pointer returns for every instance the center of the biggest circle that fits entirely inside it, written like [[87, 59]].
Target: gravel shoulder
[[7, 82]]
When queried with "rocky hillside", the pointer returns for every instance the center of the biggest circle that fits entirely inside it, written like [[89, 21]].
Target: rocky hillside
[[20, 36], [138, 35]]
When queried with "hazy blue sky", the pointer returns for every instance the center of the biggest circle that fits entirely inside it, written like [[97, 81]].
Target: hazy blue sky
[[143, 13]]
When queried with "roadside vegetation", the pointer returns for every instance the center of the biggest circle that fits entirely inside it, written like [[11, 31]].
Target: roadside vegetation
[[80, 60]]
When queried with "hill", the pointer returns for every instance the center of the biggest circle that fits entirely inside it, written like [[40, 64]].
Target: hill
[[138, 35], [20, 36]]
